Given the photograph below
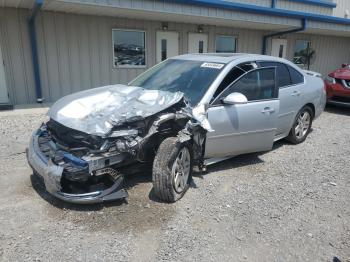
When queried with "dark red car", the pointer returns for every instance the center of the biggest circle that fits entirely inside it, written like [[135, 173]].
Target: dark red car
[[338, 86]]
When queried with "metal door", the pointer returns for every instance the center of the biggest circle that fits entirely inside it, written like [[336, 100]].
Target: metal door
[[279, 48], [167, 45], [197, 43]]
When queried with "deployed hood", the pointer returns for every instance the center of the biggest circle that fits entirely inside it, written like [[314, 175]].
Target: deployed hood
[[96, 111], [343, 73]]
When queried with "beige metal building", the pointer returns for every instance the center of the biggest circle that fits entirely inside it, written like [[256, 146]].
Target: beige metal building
[[51, 48]]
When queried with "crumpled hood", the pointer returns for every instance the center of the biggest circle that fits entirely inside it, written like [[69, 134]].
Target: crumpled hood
[[96, 111], [342, 73]]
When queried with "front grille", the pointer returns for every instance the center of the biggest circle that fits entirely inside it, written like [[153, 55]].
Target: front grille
[[70, 138], [347, 83], [338, 81], [70, 170], [44, 146]]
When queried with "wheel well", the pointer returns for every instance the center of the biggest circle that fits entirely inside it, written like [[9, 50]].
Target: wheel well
[[312, 108]]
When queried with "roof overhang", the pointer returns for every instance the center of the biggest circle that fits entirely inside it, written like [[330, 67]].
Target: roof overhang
[[205, 12]]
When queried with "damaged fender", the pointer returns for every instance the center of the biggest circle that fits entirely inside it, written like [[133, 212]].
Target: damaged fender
[[93, 136]]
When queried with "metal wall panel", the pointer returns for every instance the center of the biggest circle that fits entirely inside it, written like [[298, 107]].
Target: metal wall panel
[[195, 9], [331, 51], [266, 3], [296, 6], [108, 7], [17, 3], [342, 9], [75, 51], [14, 42]]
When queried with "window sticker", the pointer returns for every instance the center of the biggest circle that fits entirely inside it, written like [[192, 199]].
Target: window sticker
[[212, 65]]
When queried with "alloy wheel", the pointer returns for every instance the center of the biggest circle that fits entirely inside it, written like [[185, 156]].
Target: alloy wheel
[[302, 125], [181, 170]]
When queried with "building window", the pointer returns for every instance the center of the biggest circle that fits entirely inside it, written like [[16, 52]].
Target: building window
[[201, 47], [129, 48], [164, 49], [304, 55], [225, 44]]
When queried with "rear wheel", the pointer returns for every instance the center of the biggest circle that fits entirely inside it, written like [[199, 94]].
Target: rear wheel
[[302, 126], [172, 170]]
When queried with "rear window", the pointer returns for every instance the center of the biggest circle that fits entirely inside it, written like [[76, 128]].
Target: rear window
[[297, 77]]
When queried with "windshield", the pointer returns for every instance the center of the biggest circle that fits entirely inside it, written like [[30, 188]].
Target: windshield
[[192, 78]]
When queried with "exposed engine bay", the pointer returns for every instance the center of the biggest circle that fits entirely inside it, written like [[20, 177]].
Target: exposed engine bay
[[92, 137]]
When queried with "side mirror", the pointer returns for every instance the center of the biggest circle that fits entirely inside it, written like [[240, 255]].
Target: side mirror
[[235, 99], [344, 65]]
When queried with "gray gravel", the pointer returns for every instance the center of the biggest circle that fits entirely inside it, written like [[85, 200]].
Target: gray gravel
[[290, 204]]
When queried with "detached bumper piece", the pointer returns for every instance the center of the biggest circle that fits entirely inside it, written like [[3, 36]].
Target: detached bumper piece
[[67, 177]]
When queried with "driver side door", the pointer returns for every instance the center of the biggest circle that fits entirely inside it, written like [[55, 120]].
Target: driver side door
[[247, 127]]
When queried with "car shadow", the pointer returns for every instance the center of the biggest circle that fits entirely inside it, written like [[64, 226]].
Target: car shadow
[[239, 161], [333, 109], [145, 176]]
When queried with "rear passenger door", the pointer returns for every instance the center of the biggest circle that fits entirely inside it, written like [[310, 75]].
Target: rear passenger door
[[289, 85]]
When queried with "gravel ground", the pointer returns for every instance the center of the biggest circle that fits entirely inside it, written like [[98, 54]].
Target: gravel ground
[[290, 204]]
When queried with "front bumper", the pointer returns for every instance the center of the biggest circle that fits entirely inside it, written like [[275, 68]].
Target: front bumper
[[338, 95], [52, 175]]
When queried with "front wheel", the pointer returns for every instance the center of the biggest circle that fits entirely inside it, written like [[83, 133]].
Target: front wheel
[[302, 126], [172, 170]]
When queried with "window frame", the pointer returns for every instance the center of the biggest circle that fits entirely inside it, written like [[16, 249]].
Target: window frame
[[277, 62], [270, 61], [113, 54], [301, 83], [254, 65], [223, 35], [295, 44], [218, 100]]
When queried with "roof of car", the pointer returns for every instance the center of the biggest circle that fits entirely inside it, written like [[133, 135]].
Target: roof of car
[[218, 57], [226, 58]]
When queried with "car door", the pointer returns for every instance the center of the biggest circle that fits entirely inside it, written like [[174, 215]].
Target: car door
[[248, 127], [289, 96]]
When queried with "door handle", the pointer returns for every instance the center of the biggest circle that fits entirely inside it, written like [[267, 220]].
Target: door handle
[[268, 110], [296, 93]]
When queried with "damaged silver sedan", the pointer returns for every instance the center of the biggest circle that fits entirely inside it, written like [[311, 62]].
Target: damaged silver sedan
[[176, 115]]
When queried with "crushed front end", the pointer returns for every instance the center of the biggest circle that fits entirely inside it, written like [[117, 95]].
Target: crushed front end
[[85, 179], [88, 165]]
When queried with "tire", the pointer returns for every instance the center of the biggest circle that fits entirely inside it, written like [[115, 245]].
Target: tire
[[298, 135], [169, 183]]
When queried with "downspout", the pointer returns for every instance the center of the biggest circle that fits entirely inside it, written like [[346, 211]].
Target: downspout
[[266, 37], [273, 3], [34, 45]]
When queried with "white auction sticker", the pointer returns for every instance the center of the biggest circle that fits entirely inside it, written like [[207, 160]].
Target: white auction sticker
[[212, 65]]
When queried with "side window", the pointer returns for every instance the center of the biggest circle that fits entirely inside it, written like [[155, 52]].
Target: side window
[[297, 77], [234, 74], [258, 84], [282, 74]]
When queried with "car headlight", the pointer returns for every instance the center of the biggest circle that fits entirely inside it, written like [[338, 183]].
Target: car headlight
[[330, 80]]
